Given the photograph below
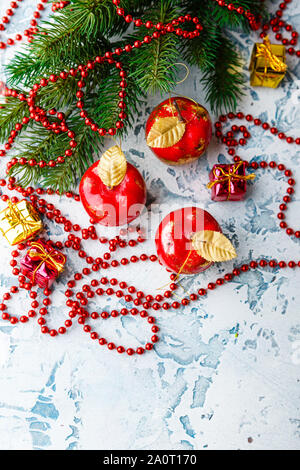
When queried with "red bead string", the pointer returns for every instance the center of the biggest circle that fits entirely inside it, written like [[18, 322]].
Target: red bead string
[[78, 301], [39, 115], [139, 303], [277, 24], [232, 143]]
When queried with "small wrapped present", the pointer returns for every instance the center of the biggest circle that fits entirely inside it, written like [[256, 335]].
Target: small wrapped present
[[229, 182], [19, 222], [268, 64], [42, 264]]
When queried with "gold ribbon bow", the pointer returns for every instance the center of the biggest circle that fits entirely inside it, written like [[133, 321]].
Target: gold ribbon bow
[[271, 60], [54, 258], [17, 217], [228, 176]]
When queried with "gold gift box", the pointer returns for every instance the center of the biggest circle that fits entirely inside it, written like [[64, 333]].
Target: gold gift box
[[261, 67], [19, 222]]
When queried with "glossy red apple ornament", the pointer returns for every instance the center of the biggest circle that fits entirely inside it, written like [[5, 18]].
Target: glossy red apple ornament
[[189, 240], [178, 131], [112, 191]]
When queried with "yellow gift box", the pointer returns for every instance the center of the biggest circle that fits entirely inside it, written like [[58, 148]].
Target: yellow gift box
[[19, 222], [268, 64]]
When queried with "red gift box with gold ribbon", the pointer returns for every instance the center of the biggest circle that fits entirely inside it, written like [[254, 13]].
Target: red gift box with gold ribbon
[[228, 182], [42, 263]]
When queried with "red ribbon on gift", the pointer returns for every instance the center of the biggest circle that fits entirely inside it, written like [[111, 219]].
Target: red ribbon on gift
[[54, 258]]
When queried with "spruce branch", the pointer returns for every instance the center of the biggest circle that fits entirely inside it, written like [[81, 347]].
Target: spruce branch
[[71, 37], [103, 107], [40, 144], [51, 54], [63, 177], [152, 65], [12, 111], [231, 19], [223, 80], [88, 28]]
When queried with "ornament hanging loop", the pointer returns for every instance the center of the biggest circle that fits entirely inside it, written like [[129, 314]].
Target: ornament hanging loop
[[186, 68]]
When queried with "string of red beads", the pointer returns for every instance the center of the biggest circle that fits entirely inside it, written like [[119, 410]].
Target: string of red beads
[[111, 57], [103, 285], [277, 24], [33, 28], [39, 115], [87, 291], [232, 143]]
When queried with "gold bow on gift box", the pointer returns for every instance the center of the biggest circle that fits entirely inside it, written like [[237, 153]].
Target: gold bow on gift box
[[228, 176], [53, 258], [268, 64], [19, 222]]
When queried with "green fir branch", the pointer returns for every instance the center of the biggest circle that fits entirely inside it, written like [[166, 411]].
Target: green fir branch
[[223, 81], [104, 109], [152, 66], [231, 19], [47, 146], [63, 177], [12, 111], [88, 28]]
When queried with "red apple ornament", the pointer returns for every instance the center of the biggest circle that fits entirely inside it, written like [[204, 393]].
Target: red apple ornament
[[178, 131], [112, 191], [189, 240]]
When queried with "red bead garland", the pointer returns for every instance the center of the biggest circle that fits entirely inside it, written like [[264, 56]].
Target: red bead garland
[[33, 28], [277, 24], [232, 143], [88, 291]]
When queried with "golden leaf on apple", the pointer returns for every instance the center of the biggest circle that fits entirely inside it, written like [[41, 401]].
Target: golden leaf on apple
[[112, 166], [213, 246], [166, 132]]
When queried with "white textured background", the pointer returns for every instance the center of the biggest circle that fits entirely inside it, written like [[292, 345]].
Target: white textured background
[[226, 371]]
